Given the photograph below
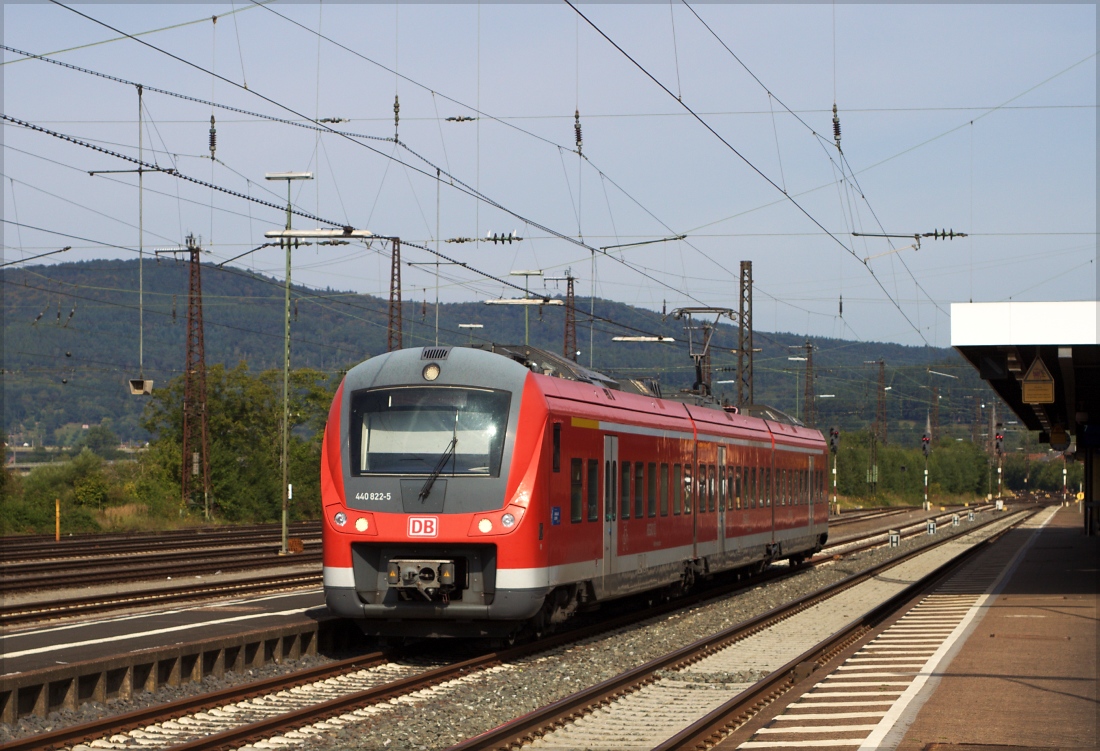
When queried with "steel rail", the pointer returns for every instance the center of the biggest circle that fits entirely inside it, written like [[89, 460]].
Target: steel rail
[[526, 728], [181, 566], [11, 546], [38, 611], [96, 729], [58, 552], [142, 559]]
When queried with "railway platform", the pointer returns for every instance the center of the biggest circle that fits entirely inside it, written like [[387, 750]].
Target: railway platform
[[999, 656], [1027, 675]]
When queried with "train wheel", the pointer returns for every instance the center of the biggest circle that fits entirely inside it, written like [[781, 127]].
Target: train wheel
[[498, 643]]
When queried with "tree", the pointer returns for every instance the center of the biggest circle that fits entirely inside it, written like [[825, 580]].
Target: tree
[[244, 418], [101, 441]]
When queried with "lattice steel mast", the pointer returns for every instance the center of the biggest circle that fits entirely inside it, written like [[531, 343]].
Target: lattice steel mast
[[393, 336], [744, 338], [196, 449]]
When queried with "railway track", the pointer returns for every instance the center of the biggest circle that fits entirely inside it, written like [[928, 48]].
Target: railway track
[[323, 699], [166, 565], [11, 615], [647, 707], [43, 547]]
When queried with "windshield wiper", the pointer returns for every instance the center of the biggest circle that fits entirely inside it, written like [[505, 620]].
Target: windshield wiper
[[447, 453]]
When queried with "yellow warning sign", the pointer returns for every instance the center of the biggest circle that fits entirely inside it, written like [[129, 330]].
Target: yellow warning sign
[[1038, 385]]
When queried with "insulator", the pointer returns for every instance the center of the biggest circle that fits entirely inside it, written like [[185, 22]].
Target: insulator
[[577, 127], [842, 306], [396, 115], [836, 127], [213, 137]]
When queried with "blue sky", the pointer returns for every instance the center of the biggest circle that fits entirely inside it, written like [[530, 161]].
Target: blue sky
[[978, 118]]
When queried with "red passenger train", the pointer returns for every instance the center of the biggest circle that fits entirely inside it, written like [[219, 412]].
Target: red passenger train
[[472, 492]]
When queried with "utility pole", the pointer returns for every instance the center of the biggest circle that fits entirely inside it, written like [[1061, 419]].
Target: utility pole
[[935, 420], [744, 338], [707, 331], [287, 243], [196, 448], [569, 346], [393, 335], [810, 411], [881, 419], [290, 238], [872, 471]]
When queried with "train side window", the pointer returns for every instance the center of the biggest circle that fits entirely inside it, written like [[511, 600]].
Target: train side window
[[712, 487], [736, 488], [689, 489], [677, 489], [664, 488], [576, 489], [784, 486], [751, 489], [651, 489], [768, 489], [639, 490], [557, 447], [593, 490], [624, 490], [723, 493]]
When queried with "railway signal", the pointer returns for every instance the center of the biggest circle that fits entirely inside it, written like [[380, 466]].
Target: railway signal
[[926, 444], [834, 440], [998, 444]]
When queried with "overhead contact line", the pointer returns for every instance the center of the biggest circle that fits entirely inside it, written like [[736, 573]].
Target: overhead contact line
[[454, 181]]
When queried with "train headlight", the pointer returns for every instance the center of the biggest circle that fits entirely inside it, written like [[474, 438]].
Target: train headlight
[[507, 520], [340, 519], [361, 524], [485, 526], [431, 371]]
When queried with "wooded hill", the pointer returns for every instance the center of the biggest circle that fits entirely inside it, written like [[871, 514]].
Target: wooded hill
[[71, 343]]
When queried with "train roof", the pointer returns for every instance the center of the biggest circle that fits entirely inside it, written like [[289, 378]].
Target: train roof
[[549, 363]]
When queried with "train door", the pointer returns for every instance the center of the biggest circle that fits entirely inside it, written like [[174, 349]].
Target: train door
[[811, 488], [723, 493], [610, 498]]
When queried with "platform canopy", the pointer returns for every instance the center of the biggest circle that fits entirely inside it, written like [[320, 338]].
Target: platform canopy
[[1042, 359]]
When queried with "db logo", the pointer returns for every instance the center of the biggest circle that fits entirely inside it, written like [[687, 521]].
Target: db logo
[[423, 526]]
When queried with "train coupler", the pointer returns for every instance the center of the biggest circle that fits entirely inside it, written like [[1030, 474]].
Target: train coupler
[[433, 578]]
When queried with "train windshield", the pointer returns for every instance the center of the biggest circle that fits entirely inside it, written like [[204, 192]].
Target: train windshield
[[418, 431]]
